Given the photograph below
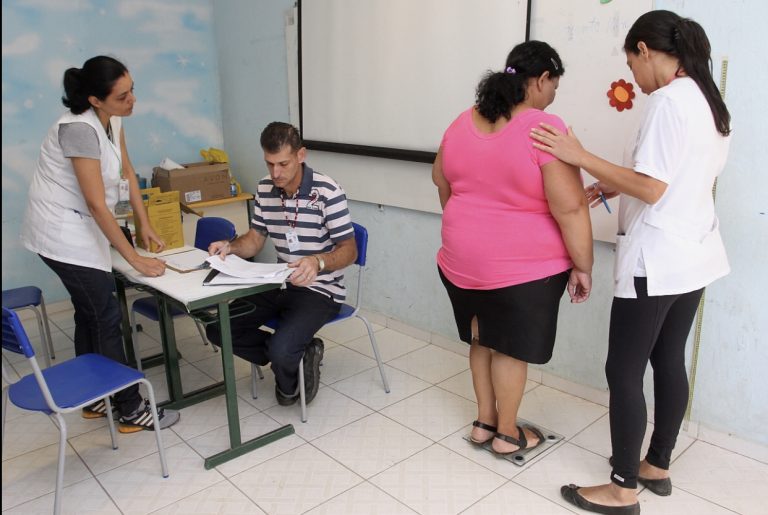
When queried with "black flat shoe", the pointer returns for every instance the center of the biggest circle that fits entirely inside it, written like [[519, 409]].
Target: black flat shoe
[[571, 494], [662, 487]]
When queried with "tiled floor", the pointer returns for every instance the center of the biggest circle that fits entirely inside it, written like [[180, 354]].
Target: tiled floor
[[361, 451]]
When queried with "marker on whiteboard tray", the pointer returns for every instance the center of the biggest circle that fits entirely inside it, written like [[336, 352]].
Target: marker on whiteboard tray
[[605, 202]]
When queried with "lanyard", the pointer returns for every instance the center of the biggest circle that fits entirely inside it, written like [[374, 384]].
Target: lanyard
[[296, 215]]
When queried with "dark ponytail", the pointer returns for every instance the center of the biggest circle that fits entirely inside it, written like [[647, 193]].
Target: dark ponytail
[[499, 92], [96, 78], [686, 40]]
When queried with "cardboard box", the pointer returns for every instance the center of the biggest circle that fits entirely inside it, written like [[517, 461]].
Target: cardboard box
[[164, 213], [197, 182]]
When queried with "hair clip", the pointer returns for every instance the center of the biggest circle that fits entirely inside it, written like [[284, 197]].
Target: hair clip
[[554, 63], [510, 70]]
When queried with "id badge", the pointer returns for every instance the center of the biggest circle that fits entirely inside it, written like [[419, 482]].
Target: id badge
[[292, 239], [123, 191]]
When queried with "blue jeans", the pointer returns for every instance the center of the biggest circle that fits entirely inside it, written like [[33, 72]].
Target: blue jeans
[[97, 320], [299, 312]]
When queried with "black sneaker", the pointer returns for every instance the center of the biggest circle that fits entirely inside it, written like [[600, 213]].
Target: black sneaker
[[285, 400], [142, 419], [313, 356]]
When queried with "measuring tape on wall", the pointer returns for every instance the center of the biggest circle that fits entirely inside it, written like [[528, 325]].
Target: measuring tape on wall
[[700, 309]]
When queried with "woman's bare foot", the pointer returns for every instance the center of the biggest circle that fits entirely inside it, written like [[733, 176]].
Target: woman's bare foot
[[609, 495], [479, 434], [648, 471]]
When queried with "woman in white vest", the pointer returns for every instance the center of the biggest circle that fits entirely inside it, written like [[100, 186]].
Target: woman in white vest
[[82, 172], [667, 250]]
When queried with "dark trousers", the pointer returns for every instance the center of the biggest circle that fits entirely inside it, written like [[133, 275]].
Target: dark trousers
[[647, 329], [97, 320], [299, 312]]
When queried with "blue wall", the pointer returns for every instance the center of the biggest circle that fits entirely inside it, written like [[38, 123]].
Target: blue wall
[[168, 47]]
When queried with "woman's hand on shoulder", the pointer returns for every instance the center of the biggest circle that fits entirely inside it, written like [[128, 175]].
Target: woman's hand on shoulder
[[564, 146], [579, 285]]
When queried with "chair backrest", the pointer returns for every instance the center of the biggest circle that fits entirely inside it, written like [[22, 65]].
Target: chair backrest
[[213, 228], [14, 336], [361, 240]]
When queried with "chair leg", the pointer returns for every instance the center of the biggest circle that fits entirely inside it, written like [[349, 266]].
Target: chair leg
[[375, 352], [46, 326], [302, 394], [255, 370], [44, 342], [156, 422], [111, 422], [59, 420], [135, 340], [202, 335]]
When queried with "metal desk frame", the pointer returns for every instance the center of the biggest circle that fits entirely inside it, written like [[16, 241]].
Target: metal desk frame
[[179, 399]]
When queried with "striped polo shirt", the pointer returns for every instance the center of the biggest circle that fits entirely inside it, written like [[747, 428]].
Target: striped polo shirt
[[321, 220]]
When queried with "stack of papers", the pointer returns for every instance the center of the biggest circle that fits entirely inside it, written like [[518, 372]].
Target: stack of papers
[[235, 270]]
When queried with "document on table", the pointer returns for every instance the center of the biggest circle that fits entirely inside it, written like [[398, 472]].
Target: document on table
[[183, 262], [235, 270]]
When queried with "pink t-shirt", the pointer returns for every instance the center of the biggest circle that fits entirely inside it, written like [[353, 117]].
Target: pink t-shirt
[[497, 227]]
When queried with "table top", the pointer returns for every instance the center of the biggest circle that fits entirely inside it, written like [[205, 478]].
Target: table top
[[185, 288]]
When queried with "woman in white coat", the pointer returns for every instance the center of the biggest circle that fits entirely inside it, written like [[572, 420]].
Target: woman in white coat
[[668, 247], [82, 172]]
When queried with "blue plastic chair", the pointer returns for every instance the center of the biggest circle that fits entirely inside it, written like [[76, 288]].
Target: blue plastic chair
[[208, 230], [67, 387], [347, 311], [30, 297]]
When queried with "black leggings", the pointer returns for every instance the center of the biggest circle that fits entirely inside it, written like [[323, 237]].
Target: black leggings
[[643, 329]]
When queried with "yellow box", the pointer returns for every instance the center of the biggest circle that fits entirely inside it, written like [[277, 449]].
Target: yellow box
[[164, 214]]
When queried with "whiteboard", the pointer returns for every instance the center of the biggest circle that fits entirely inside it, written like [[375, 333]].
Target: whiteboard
[[589, 36], [395, 73]]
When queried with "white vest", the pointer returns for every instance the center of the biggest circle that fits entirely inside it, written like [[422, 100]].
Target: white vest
[[57, 223]]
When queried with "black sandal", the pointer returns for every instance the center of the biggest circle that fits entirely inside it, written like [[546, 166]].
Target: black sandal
[[520, 441], [487, 427]]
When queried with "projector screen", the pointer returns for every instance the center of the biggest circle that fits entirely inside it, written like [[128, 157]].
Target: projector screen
[[395, 73]]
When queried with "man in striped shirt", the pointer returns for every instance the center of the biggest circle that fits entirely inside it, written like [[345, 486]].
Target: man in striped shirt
[[305, 215]]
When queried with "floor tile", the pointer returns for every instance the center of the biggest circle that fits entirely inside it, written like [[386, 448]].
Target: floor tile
[[461, 384], [434, 413], [28, 432], [220, 499], [82, 498], [431, 363], [513, 498], [33, 474], [193, 350], [265, 390], [367, 387], [208, 415], [558, 411], [566, 464], [95, 448], [725, 478], [295, 481], [329, 411], [138, 487], [250, 427], [340, 363], [191, 379], [597, 438], [364, 498], [213, 367], [392, 344], [346, 331], [447, 483], [681, 502], [360, 446]]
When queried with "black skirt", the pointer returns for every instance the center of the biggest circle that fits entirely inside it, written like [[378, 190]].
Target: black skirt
[[519, 321]]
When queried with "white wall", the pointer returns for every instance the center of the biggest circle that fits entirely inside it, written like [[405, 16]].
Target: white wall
[[731, 393]]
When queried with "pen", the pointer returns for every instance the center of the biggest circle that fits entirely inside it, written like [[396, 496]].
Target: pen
[[605, 202]]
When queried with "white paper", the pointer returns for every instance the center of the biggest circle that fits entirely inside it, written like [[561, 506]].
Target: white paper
[[222, 278], [239, 267], [194, 259], [169, 164]]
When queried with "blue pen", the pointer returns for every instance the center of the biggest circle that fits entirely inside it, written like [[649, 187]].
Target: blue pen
[[605, 202]]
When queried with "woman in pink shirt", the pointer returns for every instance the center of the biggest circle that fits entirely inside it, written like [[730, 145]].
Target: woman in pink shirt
[[515, 231]]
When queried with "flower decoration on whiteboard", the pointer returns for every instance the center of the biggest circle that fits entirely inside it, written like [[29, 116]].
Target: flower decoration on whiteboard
[[621, 95]]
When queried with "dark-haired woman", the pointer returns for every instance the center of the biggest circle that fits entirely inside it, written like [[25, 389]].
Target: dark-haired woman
[[82, 172], [515, 232], [668, 248]]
